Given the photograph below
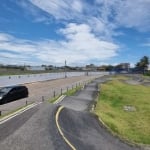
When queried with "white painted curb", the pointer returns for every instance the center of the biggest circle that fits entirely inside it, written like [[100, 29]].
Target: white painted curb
[[60, 99], [8, 117]]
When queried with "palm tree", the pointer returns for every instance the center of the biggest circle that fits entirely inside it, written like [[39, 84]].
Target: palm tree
[[143, 64]]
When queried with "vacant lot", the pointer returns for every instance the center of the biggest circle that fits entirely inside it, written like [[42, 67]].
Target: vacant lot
[[125, 109]]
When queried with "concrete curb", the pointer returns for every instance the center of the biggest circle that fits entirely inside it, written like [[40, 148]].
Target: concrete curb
[[60, 99], [16, 113], [60, 130]]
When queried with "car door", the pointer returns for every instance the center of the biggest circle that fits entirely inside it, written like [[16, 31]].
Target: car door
[[13, 94], [20, 92]]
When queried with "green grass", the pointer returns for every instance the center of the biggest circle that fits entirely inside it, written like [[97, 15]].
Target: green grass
[[147, 74], [70, 92], [135, 125], [73, 91], [119, 77], [52, 100]]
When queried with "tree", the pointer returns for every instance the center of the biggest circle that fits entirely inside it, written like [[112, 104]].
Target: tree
[[143, 64], [109, 68]]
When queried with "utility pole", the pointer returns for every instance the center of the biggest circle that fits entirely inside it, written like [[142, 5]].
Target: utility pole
[[24, 67], [65, 69]]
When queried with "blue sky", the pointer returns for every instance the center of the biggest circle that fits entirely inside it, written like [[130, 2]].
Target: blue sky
[[36, 32]]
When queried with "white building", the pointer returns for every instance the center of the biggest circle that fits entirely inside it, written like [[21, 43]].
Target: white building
[[149, 67], [36, 68]]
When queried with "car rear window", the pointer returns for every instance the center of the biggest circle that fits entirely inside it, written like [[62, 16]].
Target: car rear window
[[5, 89]]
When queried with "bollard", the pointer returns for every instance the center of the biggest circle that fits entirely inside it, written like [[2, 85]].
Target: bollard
[[61, 91], [42, 98], [0, 112], [67, 89], [26, 102], [54, 94]]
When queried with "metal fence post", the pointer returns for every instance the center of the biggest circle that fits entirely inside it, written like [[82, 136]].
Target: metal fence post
[[61, 91], [42, 98], [26, 102], [54, 94], [0, 112]]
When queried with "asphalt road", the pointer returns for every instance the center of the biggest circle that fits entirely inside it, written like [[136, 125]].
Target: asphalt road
[[33, 130], [36, 129]]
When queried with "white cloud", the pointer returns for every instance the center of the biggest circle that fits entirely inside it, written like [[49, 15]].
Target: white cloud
[[64, 9], [105, 14], [79, 47], [81, 40], [8, 42], [77, 10], [77, 6], [146, 44], [127, 13], [5, 37], [134, 14]]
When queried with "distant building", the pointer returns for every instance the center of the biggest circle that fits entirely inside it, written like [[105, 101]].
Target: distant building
[[101, 68], [122, 67], [36, 68], [91, 67], [125, 66], [148, 67]]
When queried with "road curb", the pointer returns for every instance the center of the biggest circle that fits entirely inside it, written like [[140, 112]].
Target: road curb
[[60, 99], [18, 112], [59, 128]]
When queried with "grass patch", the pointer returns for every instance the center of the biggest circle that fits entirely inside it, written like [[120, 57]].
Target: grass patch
[[131, 125], [73, 91], [70, 92], [52, 100], [119, 77]]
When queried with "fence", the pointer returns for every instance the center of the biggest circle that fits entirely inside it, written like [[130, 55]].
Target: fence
[[22, 79]]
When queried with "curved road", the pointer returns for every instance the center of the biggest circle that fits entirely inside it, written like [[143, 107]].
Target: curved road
[[36, 129]]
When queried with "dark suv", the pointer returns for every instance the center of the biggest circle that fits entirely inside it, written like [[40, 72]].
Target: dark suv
[[12, 93]]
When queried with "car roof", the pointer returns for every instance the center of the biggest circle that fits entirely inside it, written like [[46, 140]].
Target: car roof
[[12, 86]]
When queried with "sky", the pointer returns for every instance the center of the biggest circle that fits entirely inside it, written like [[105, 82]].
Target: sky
[[100, 32]]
